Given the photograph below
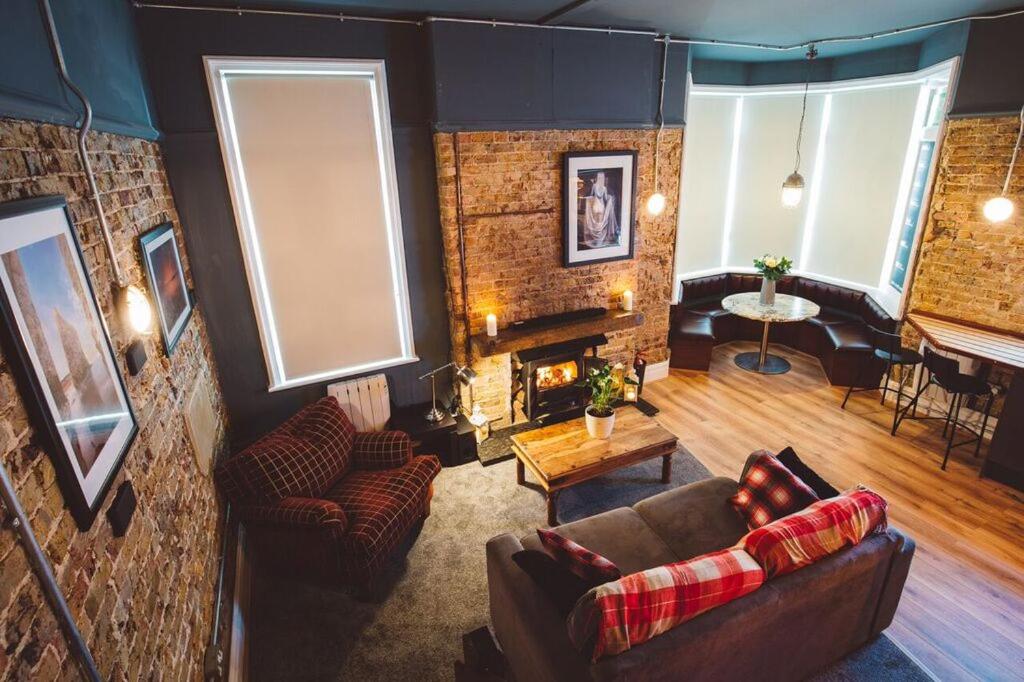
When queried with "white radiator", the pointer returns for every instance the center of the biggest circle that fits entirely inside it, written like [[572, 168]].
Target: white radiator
[[366, 401]]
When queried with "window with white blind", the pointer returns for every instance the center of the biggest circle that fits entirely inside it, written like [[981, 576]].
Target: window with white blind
[[865, 168], [310, 163]]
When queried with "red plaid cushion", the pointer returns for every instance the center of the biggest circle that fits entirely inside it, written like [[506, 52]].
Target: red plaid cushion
[[821, 529], [578, 559], [770, 491], [618, 615], [303, 457]]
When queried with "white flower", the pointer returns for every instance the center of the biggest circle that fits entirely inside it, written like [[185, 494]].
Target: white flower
[[771, 262]]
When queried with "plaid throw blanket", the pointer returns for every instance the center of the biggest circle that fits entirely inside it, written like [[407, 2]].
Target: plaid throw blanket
[[813, 533], [618, 615]]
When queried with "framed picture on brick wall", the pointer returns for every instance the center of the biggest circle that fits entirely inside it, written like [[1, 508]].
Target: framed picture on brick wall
[[598, 196], [55, 341], [166, 277]]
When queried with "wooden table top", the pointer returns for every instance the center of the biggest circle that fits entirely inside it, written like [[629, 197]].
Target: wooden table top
[[785, 309], [561, 450], [999, 347]]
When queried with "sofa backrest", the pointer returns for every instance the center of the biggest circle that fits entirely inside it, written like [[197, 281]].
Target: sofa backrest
[[831, 296], [702, 288]]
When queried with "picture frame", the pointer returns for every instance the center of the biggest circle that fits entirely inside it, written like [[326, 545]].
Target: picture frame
[[57, 344], [161, 260], [598, 206]]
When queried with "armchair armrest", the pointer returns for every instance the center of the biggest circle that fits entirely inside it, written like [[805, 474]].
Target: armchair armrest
[[303, 512], [381, 449]]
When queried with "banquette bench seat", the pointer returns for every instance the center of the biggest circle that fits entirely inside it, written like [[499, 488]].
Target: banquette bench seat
[[839, 336]]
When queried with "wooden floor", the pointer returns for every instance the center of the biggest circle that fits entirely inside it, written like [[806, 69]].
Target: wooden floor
[[962, 612]]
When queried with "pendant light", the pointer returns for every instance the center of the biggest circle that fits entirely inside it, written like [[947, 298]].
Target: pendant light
[[997, 209], [656, 202], [793, 186]]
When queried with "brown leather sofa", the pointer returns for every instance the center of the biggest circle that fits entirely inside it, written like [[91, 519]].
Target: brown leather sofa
[[790, 627], [838, 336]]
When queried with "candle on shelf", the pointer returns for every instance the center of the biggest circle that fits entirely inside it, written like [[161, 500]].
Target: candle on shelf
[[492, 324], [627, 300]]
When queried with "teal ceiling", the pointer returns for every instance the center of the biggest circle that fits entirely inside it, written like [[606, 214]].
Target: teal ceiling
[[758, 21]]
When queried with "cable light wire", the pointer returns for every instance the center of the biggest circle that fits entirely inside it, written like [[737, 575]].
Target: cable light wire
[[1013, 158], [656, 35], [661, 110]]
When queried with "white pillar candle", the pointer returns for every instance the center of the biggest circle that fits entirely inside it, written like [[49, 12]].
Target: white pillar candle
[[492, 324], [627, 300]]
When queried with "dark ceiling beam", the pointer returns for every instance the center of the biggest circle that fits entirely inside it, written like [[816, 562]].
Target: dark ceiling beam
[[562, 11]]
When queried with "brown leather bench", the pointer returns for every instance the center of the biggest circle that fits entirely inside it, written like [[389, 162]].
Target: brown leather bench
[[838, 336]]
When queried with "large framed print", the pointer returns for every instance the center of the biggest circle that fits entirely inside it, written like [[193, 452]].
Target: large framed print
[[57, 345], [162, 260], [598, 196]]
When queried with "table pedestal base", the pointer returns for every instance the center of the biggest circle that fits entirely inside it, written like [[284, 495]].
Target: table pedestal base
[[773, 364]]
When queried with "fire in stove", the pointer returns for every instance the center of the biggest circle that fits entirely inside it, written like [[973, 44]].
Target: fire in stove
[[554, 376]]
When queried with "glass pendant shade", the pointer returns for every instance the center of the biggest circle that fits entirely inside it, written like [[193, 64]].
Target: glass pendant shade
[[998, 209], [792, 190], [656, 203]]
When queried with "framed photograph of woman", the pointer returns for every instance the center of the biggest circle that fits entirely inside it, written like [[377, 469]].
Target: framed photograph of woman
[[167, 282], [598, 196], [56, 342]]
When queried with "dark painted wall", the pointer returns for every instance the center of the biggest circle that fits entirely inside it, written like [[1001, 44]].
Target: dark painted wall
[[992, 71], [103, 58], [503, 78], [175, 43]]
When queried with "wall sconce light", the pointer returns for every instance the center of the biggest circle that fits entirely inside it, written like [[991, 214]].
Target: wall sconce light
[[997, 209], [137, 310]]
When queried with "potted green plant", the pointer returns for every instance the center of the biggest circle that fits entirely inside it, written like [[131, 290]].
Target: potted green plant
[[604, 389], [772, 269]]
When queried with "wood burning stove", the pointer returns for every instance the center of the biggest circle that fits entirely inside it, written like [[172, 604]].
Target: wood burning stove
[[545, 379]]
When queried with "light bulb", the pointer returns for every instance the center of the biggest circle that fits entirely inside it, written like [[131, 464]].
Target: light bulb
[[998, 209], [140, 313], [656, 203], [792, 190]]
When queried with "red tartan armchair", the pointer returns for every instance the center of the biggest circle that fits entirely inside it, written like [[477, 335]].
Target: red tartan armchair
[[319, 498]]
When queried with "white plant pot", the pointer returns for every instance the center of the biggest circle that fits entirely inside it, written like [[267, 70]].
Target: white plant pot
[[600, 427]]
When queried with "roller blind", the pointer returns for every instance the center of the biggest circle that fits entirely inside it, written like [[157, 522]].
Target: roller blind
[[308, 151]]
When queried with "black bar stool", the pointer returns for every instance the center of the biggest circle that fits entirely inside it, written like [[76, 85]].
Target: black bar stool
[[887, 347], [945, 373]]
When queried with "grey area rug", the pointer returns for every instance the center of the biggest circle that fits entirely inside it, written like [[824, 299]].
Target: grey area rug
[[438, 591]]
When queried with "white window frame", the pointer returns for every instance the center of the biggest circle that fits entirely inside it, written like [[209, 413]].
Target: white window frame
[[886, 295], [217, 70]]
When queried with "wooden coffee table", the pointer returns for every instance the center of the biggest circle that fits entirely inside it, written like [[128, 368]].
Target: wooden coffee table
[[562, 455]]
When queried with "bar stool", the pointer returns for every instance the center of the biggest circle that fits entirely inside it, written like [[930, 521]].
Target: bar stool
[[887, 347], [945, 373]]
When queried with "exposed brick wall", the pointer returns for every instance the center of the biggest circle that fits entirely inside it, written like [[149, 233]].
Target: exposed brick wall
[[142, 601], [969, 268], [514, 262]]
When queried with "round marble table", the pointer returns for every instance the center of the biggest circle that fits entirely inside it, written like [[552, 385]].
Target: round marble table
[[785, 309]]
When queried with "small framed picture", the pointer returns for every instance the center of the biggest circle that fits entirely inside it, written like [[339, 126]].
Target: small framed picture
[[598, 196], [56, 342], [167, 282]]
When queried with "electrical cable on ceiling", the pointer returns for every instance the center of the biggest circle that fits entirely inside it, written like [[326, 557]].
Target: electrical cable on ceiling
[[656, 35]]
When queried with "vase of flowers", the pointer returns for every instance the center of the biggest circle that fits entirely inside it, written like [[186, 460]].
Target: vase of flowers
[[772, 269], [604, 388]]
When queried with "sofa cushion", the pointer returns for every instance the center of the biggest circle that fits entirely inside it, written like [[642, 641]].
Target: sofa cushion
[[614, 617], [822, 488], [821, 529], [562, 587], [851, 336], [381, 505], [694, 519], [303, 457], [768, 491], [830, 316], [586, 564], [711, 308], [621, 535], [694, 327]]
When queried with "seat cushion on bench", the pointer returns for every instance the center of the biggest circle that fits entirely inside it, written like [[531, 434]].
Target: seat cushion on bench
[[621, 536], [695, 519], [712, 308], [851, 336], [694, 327], [830, 316]]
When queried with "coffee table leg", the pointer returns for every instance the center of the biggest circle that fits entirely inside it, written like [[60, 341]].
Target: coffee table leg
[[666, 469], [552, 511], [520, 471]]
